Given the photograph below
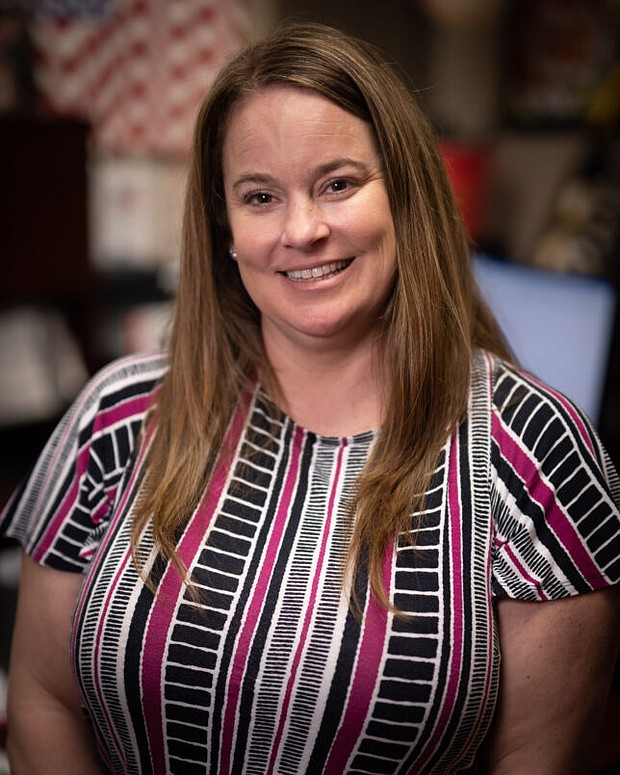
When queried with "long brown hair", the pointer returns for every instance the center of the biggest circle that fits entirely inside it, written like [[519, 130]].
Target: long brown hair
[[434, 319]]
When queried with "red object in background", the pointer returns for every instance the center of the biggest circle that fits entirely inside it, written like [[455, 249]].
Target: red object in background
[[469, 168]]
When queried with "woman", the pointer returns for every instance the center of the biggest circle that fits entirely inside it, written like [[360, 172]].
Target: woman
[[299, 541]]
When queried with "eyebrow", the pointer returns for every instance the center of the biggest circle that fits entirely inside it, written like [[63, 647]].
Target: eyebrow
[[336, 164], [322, 169], [253, 177]]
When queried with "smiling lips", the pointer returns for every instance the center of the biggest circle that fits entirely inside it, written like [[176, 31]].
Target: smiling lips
[[318, 272]]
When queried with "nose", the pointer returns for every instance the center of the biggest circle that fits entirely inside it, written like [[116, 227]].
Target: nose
[[305, 224]]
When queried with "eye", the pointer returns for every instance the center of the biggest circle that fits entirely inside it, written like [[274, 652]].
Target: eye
[[338, 185], [258, 198]]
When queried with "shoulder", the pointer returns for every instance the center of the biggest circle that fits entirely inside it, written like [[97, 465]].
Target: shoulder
[[132, 373], [62, 508], [514, 388], [536, 427], [534, 414], [126, 386]]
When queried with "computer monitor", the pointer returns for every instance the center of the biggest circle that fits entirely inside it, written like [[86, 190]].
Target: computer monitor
[[559, 325]]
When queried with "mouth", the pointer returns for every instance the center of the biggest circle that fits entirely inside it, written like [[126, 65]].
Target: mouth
[[318, 272]]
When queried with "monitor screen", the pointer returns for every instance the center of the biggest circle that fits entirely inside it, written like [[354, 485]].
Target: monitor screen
[[559, 326]]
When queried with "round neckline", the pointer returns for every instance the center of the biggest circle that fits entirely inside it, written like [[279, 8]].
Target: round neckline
[[353, 439]]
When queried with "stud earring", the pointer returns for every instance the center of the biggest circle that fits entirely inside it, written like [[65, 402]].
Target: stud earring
[[233, 254]]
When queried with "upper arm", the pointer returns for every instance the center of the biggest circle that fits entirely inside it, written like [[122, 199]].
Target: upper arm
[[40, 654], [47, 732], [557, 664], [555, 500]]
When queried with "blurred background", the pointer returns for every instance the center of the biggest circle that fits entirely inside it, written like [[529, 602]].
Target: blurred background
[[97, 103]]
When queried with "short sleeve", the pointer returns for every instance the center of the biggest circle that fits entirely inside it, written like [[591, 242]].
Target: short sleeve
[[555, 495], [61, 510]]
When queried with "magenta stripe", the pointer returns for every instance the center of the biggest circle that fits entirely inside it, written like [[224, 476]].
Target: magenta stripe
[[455, 651], [55, 525], [246, 635], [98, 515], [369, 661], [543, 494], [301, 643], [131, 407], [169, 590]]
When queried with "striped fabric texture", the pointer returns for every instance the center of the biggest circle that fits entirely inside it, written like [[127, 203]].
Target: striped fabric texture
[[261, 667]]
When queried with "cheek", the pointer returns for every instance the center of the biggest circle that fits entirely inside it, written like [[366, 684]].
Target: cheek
[[253, 278], [253, 238], [371, 225], [252, 258], [378, 235], [235, 224]]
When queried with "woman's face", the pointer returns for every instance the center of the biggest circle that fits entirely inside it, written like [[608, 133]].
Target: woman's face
[[310, 218]]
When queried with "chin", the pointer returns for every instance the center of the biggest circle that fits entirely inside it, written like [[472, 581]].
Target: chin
[[331, 330]]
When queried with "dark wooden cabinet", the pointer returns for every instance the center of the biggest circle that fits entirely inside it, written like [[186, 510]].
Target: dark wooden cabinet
[[44, 247]]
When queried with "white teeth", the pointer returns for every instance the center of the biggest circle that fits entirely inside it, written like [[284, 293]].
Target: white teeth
[[318, 271]]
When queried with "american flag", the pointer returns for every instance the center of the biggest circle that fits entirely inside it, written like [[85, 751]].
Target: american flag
[[135, 69]]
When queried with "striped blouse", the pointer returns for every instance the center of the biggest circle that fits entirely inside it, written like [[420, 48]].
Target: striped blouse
[[262, 667]]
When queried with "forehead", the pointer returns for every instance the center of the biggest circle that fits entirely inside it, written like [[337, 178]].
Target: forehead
[[281, 114]]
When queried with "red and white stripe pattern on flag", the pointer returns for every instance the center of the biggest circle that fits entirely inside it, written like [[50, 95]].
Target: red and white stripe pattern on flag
[[138, 72]]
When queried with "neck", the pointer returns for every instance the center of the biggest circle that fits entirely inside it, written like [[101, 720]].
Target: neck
[[329, 390]]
